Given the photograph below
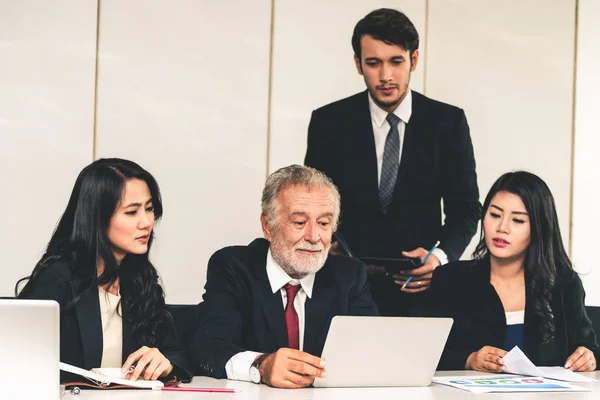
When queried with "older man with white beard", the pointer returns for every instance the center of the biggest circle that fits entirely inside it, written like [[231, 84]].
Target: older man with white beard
[[268, 306]]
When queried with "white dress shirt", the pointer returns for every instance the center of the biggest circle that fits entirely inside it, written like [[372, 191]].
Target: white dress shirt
[[238, 366], [381, 128]]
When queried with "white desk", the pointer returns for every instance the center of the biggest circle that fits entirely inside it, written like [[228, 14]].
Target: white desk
[[263, 392]]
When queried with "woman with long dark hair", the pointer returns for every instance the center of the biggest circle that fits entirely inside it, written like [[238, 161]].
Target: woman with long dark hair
[[96, 267], [520, 289]]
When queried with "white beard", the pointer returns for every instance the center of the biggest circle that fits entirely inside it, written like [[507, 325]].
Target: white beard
[[294, 264]]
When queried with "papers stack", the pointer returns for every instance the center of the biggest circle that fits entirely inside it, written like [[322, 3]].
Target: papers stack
[[524, 377]]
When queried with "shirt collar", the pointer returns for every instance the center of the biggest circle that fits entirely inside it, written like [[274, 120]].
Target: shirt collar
[[278, 278], [403, 111]]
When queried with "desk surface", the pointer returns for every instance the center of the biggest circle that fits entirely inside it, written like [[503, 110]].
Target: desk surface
[[263, 392]]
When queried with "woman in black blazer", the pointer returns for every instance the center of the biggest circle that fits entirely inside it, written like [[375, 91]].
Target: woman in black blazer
[[520, 290], [96, 267]]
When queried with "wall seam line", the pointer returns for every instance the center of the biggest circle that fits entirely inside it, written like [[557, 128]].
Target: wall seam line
[[95, 127], [270, 89]]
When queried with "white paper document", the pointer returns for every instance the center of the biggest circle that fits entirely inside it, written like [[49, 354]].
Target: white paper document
[[108, 376], [506, 383], [516, 362]]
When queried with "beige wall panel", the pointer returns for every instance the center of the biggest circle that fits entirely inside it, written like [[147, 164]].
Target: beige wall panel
[[183, 89], [586, 212], [509, 64], [47, 62]]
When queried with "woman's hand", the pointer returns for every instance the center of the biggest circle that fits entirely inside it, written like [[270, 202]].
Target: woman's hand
[[582, 360], [148, 362], [487, 359]]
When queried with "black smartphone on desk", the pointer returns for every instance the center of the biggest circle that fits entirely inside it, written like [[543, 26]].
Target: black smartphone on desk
[[393, 265]]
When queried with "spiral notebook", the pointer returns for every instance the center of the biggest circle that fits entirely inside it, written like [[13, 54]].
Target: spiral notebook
[[107, 378]]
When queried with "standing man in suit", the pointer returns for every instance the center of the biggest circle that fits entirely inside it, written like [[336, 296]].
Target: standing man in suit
[[395, 154], [268, 306]]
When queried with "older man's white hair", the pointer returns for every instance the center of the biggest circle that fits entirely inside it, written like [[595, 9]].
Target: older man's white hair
[[290, 176]]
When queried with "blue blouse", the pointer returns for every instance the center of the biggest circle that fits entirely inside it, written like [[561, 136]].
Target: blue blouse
[[515, 330]]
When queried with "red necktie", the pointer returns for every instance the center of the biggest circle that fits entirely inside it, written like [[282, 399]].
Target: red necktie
[[291, 317]]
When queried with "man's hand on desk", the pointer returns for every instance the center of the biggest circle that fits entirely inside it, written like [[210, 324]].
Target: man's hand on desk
[[421, 277], [291, 369]]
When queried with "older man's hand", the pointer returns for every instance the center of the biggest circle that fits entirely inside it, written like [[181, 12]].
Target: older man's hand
[[291, 369]]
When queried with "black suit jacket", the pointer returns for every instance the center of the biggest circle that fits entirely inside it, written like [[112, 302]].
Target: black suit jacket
[[437, 163], [463, 291], [240, 312], [81, 326]]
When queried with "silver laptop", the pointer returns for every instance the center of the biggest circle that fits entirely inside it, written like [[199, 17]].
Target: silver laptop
[[29, 347], [383, 351]]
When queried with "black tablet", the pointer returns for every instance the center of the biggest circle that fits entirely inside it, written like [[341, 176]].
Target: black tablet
[[393, 265]]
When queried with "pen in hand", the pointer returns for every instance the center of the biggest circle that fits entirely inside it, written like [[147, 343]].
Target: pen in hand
[[131, 369], [422, 262]]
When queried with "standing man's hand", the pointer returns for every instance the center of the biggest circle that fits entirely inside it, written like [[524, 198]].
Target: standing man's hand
[[291, 369], [421, 276]]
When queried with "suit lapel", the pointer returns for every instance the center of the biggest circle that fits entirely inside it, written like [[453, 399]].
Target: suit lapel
[[318, 313], [272, 307], [365, 158], [270, 304], [90, 324], [411, 133]]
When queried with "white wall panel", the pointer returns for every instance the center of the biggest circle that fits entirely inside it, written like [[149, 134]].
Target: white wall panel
[[47, 62], [182, 90], [586, 213], [509, 64], [313, 64]]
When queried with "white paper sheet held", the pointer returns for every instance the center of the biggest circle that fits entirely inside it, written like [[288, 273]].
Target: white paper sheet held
[[516, 362]]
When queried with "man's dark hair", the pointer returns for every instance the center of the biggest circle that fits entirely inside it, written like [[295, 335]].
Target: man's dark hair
[[388, 25]]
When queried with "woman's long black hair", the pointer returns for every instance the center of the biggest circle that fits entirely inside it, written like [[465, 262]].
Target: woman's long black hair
[[546, 260], [81, 236]]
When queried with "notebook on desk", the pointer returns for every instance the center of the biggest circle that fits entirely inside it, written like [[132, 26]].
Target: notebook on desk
[[109, 378], [29, 345], [383, 351]]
